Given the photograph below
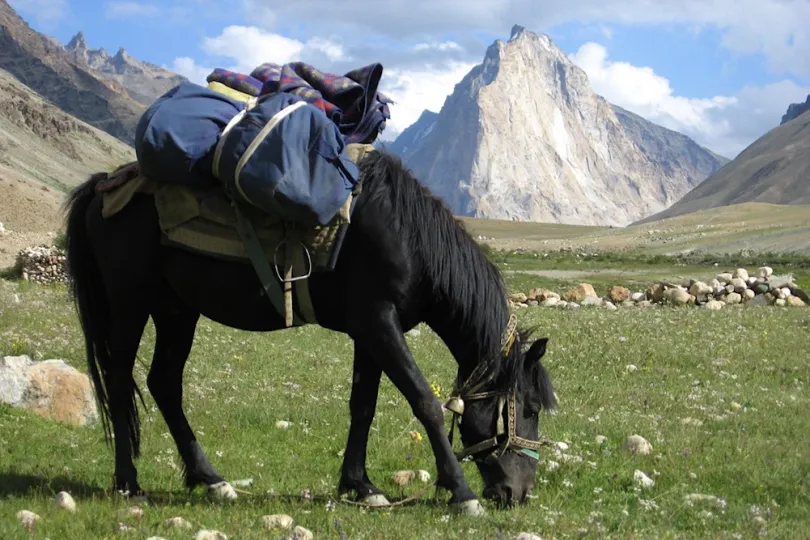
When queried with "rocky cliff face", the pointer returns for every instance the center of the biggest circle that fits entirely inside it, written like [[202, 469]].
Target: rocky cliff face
[[524, 137], [673, 153], [795, 110], [108, 92], [142, 81], [45, 67], [411, 138]]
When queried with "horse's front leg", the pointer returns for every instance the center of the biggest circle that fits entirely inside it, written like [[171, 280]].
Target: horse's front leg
[[363, 402], [378, 330]]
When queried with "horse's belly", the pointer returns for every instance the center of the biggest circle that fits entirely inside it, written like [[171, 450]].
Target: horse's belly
[[226, 292]]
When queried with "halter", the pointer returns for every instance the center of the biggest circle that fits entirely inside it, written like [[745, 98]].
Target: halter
[[468, 391]]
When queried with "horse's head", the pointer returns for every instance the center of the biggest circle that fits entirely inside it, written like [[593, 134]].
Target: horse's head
[[499, 424]]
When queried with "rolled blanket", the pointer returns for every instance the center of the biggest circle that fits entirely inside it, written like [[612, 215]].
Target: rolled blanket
[[351, 101], [236, 81]]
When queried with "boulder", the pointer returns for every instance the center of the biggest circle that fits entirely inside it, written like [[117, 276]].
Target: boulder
[[740, 273], [656, 292], [678, 297], [714, 305], [800, 293], [698, 288], [51, 389], [724, 277], [758, 300], [518, 298], [795, 301], [764, 272], [579, 293], [740, 285], [761, 288], [748, 294], [619, 294]]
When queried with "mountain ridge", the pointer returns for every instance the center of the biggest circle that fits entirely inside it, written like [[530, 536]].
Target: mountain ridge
[[773, 169], [523, 136]]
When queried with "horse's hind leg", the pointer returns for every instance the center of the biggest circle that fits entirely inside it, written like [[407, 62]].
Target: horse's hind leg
[[363, 402], [126, 324], [175, 324]]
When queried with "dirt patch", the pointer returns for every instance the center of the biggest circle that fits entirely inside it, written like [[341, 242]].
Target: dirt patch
[[30, 213], [574, 274]]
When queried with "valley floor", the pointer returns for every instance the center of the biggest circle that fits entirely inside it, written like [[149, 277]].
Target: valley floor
[[721, 396]]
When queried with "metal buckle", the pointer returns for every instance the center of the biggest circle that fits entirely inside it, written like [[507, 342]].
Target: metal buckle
[[275, 263]]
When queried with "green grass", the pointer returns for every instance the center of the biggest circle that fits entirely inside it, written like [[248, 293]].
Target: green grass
[[693, 367], [637, 270]]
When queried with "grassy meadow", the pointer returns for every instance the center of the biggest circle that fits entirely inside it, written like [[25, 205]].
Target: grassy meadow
[[721, 396]]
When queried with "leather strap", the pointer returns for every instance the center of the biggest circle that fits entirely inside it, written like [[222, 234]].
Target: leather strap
[[270, 283]]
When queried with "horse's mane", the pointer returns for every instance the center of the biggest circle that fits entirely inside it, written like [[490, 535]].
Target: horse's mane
[[455, 264]]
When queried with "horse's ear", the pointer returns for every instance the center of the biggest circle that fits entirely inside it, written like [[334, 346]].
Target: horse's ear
[[536, 352]]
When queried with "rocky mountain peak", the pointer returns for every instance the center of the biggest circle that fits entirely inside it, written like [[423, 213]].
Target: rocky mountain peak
[[77, 42], [121, 58], [795, 110], [524, 136], [516, 29]]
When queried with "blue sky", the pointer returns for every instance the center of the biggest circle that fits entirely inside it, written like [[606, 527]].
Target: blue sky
[[722, 72]]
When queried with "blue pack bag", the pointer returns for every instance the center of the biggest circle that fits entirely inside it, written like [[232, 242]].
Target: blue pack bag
[[176, 134], [287, 158]]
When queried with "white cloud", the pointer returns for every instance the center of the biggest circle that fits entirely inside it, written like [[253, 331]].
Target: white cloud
[[776, 28], [414, 90], [247, 47], [443, 46], [422, 65], [724, 124], [417, 90], [189, 69], [125, 10]]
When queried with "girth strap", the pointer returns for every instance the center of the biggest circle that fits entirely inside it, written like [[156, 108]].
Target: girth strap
[[254, 250]]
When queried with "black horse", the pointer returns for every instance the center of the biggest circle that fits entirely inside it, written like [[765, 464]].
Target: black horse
[[405, 260]]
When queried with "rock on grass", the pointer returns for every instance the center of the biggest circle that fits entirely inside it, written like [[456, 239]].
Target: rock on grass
[[301, 533], [642, 480], [177, 523], [276, 521], [636, 444], [64, 501], [403, 478], [28, 519]]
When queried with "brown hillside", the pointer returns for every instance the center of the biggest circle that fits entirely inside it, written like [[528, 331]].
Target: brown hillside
[[46, 67], [774, 169]]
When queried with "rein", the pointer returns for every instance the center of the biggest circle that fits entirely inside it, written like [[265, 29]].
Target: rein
[[505, 437]]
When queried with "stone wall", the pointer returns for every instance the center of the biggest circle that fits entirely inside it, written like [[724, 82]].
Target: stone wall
[[727, 288]]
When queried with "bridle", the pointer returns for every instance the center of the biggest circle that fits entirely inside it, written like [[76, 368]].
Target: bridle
[[505, 437]]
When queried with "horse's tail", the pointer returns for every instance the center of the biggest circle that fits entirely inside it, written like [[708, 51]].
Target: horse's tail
[[87, 289]]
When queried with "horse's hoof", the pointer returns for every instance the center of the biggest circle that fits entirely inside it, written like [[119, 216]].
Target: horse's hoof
[[468, 508], [223, 491], [376, 500]]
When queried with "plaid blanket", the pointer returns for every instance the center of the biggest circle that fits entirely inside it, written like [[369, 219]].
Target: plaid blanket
[[351, 101]]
